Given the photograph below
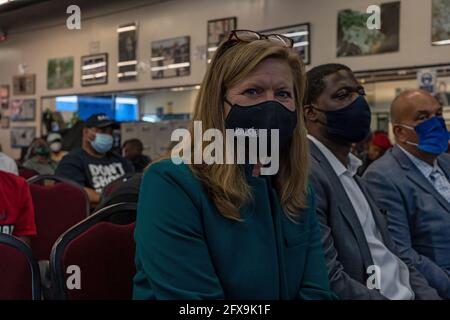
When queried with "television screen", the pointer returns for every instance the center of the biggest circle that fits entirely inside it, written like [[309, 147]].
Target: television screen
[[67, 103], [127, 109]]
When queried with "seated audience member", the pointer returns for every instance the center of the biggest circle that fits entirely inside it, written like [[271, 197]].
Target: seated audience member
[[378, 145], [132, 150], [363, 262], [93, 166], [38, 158], [412, 183], [54, 140], [16, 207], [8, 164], [226, 231]]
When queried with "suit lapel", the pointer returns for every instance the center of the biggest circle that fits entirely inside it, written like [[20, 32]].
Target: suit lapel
[[416, 176], [344, 204], [444, 164], [380, 220]]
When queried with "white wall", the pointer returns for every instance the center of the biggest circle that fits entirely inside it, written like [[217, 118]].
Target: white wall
[[181, 17]]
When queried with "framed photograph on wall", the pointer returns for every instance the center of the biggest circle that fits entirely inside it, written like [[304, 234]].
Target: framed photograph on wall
[[22, 136], [127, 64], [440, 22], [94, 69], [171, 58], [355, 39], [60, 73], [23, 110], [24, 84], [300, 33], [4, 97], [218, 30]]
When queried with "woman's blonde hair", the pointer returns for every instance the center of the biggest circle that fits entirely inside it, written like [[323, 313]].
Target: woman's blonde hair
[[226, 184]]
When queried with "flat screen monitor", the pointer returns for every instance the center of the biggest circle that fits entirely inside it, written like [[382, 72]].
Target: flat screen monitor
[[67, 103], [126, 109], [89, 105]]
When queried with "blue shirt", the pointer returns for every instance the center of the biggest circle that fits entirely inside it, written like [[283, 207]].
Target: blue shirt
[[433, 173]]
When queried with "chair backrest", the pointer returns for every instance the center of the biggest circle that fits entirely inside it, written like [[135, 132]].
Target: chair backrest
[[19, 271], [102, 250], [114, 185], [57, 208], [27, 173]]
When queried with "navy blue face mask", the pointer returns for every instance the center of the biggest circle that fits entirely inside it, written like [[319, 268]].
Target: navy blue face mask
[[351, 123], [433, 136], [265, 115]]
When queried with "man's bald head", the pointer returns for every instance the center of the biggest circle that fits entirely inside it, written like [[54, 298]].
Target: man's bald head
[[412, 106]]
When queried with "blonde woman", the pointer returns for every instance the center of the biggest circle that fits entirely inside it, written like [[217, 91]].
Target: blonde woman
[[224, 231]]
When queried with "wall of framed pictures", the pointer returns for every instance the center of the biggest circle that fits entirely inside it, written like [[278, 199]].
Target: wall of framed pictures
[[94, 69], [127, 55], [301, 35], [22, 110], [60, 73], [127, 40], [354, 38], [57, 58], [171, 58], [24, 84], [217, 31], [440, 29]]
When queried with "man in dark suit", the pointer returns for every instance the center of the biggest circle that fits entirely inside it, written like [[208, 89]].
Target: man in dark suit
[[361, 257], [412, 182]]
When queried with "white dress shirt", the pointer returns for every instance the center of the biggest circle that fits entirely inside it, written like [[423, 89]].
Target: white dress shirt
[[394, 274]]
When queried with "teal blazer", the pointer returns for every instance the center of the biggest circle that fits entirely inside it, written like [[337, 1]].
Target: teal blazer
[[185, 249]]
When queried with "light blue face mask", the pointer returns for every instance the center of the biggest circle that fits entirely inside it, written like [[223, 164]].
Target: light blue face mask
[[433, 136], [102, 143]]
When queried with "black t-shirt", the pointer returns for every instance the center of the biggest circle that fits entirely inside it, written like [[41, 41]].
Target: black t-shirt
[[140, 163], [92, 172]]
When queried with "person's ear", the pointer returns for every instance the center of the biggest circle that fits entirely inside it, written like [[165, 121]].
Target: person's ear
[[87, 133], [400, 133], [310, 113]]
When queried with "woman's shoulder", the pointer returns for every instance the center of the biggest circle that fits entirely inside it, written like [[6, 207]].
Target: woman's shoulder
[[167, 167], [166, 183], [170, 171]]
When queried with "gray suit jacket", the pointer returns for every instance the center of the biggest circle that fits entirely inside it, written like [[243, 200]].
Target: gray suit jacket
[[418, 215], [346, 250]]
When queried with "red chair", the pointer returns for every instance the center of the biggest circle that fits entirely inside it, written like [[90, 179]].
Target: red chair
[[57, 207], [102, 247], [27, 173], [19, 271]]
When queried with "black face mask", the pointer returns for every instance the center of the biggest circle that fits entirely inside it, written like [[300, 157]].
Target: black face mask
[[351, 123], [265, 115], [42, 151]]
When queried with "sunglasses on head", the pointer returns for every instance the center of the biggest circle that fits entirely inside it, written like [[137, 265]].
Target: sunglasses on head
[[237, 36]]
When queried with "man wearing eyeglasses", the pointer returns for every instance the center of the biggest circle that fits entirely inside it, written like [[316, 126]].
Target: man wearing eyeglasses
[[412, 182]]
